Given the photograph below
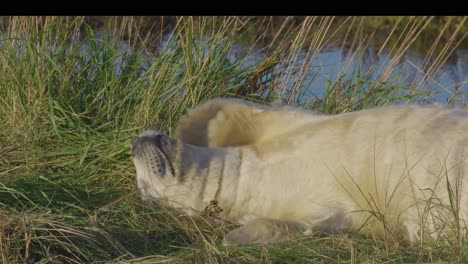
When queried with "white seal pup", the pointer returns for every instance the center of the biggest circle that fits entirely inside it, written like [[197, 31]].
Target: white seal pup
[[397, 172]]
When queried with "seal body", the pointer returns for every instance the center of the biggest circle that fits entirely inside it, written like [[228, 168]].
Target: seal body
[[397, 172]]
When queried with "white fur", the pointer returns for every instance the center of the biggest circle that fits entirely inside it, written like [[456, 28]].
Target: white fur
[[289, 170]]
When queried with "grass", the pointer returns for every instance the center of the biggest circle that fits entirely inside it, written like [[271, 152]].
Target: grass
[[71, 98]]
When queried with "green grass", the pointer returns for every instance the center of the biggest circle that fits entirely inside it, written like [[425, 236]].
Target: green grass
[[71, 100]]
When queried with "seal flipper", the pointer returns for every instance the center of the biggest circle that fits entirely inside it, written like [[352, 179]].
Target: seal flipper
[[232, 122], [219, 122], [266, 231]]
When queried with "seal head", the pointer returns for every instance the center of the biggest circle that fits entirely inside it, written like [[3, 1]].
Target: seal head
[[155, 156]]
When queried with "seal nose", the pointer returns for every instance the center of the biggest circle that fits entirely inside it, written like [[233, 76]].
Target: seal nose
[[134, 142], [135, 145], [145, 138]]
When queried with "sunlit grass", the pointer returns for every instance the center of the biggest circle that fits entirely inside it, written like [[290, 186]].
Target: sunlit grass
[[71, 98]]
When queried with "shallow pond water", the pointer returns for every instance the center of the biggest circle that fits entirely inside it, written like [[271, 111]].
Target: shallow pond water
[[448, 81]]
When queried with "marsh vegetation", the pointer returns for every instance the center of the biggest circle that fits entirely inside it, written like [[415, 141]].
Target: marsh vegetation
[[75, 90]]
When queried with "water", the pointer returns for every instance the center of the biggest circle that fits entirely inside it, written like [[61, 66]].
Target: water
[[329, 64]]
